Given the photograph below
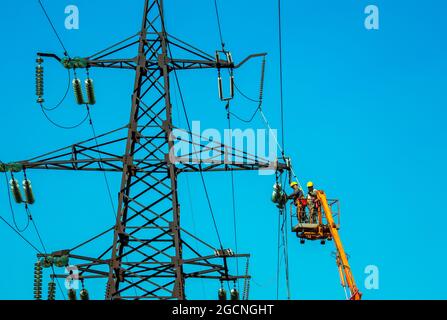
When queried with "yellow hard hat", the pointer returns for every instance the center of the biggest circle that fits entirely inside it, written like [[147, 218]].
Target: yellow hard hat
[[310, 184], [293, 183]]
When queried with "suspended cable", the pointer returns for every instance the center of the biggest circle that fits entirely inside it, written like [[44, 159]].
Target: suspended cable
[[229, 127], [106, 180], [63, 98], [200, 165], [243, 94], [246, 120], [19, 234], [52, 26], [278, 261], [233, 197], [218, 25], [281, 75], [260, 99], [44, 248], [188, 191], [12, 209], [16, 229], [62, 126]]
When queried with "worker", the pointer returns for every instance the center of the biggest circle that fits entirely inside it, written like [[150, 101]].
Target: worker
[[312, 202], [298, 198]]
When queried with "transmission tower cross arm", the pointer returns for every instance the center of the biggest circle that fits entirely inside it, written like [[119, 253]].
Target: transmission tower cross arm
[[152, 63]]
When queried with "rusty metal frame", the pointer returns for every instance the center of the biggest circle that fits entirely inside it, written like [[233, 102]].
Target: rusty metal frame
[[147, 254]]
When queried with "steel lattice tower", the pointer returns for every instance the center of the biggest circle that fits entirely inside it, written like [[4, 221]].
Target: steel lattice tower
[[150, 257]]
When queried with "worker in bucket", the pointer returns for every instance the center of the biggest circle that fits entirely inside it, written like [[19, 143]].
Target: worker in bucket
[[298, 198], [312, 202]]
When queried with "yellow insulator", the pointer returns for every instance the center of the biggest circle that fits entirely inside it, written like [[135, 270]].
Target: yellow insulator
[[72, 294], [78, 91], [28, 190], [51, 290], [37, 281], [90, 91], [16, 190], [84, 294]]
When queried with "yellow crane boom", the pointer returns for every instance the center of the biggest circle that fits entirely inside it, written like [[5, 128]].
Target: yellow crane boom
[[346, 275]]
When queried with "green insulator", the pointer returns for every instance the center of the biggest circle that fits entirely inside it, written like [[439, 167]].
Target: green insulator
[[51, 290], [72, 294], [28, 190], [78, 91], [84, 294], [277, 193], [47, 261], [76, 62], [37, 281], [234, 294], [61, 261], [16, 190], [222, 294], [90, 91], [39, 83]]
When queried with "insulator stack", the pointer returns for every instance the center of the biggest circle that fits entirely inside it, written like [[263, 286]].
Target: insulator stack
[[222, 294], [234, 294], [16, 190], [246, 282], [61, 261], [39, 80], [232, 86], [90, 91], [261, 85], [78, 91], [51, 290], [28, 190], [84, 294], [219, 87], [37, 281], [72, 294]]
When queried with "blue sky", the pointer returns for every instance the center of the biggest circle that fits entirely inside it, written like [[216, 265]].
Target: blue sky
[[365, 115]]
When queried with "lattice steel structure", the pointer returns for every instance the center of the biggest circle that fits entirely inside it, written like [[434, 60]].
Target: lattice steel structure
[[151, 255]]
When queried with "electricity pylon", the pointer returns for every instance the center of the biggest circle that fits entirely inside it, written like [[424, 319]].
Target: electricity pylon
[[150, 254]]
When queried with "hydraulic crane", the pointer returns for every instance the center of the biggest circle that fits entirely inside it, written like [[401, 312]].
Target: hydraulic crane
[[344, 269], [324, 228]]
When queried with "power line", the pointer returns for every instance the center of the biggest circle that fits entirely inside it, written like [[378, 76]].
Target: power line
[[233, 198], [106, 180], [12, 209], [44, 249], [8, 224], [64, 96], [52, 26], [281, 74], [243, 94], [200, 165], [19, 234], [63, 126], [190, 131], [188, 190], [218, 24]]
